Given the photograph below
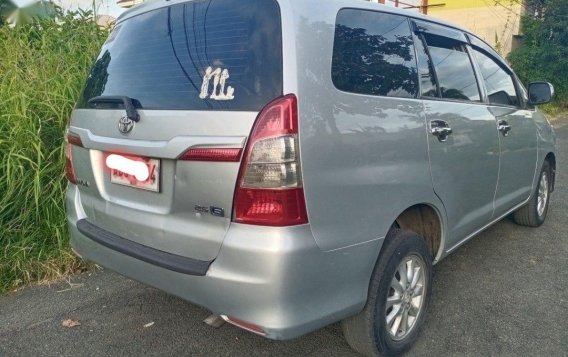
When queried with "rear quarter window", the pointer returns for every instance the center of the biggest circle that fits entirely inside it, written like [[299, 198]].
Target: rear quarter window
[[204, 54], [373, 53]]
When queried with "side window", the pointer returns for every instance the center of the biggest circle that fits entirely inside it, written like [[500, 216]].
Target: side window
[[453, 67], [373, 53], [482, 45], [499, 83], [425, 69]]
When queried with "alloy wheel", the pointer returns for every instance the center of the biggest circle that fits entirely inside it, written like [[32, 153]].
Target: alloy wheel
[[405, 300], [542, 194]]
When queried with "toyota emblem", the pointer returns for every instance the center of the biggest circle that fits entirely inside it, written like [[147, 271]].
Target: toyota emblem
[[125, 125]]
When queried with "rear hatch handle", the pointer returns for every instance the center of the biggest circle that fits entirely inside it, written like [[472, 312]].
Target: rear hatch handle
[[128, 103]]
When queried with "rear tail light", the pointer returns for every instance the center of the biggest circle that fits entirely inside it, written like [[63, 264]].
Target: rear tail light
[[269, 187], [71, 139]]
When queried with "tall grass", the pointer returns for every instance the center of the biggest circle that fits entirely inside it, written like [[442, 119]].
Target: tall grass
[[42, 69]]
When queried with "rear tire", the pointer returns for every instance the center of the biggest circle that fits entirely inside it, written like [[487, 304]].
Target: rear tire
[[533, 214], [403, 276]]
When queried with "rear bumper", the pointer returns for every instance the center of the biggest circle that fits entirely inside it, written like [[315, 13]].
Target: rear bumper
[[277, 279], [155, 257]]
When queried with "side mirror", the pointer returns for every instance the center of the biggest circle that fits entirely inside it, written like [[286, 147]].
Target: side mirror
[[540, 92]]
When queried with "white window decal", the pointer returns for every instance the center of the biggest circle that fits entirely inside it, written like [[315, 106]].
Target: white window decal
[[220, 77]]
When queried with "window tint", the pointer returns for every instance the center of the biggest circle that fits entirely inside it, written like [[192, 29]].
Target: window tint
[[425, 72], [439, 30], [203, 54], [373, 53], [454, 69], [500, 85], [481, 44]]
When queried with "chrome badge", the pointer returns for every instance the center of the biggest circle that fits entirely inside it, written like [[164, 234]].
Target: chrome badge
[[125, 125]]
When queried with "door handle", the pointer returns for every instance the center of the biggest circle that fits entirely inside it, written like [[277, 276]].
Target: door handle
[[440, 129], [504, 127]]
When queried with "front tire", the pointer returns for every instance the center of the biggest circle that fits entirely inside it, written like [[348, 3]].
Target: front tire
[[398, 297], [533, 214]]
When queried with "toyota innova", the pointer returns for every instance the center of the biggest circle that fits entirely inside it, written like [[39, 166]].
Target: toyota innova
[[288, 164]]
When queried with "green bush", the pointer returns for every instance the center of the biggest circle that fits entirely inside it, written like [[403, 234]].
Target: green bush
[[42, 69], [544, 52]]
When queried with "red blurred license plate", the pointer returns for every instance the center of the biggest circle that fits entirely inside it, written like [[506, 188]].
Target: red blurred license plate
[[134, 171]]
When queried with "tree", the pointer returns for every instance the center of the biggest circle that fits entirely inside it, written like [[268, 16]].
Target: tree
[[544, 52]]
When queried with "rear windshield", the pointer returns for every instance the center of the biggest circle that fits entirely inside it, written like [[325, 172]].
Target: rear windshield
[[198, 55]]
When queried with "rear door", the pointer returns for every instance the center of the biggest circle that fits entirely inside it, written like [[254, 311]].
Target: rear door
[[198, 72], [463, 140], [517, 129]]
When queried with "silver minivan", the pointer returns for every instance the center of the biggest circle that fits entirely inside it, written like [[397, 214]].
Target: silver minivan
[[288, 163]]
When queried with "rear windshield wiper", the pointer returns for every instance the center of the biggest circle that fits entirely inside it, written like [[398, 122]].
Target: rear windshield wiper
[[128, 103]]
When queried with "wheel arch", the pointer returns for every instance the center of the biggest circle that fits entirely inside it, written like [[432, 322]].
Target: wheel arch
[[426, 220]]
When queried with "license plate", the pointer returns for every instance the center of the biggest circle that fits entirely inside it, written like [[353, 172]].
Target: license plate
[[134, 171]]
